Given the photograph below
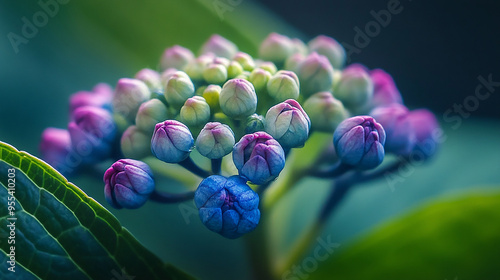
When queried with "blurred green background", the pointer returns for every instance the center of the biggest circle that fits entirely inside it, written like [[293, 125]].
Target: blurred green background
[[88, 42]]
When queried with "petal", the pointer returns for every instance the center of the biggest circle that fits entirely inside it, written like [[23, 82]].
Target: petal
[[211, 218]]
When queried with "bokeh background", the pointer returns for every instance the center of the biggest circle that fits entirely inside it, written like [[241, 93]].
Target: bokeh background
[[434, 50]]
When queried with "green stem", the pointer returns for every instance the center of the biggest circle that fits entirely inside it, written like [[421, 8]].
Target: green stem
[[257, 245], [172, 171]]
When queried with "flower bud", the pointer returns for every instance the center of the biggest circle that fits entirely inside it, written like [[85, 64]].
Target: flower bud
[[268, 66], [288, 123], [135, 143], [92, 132], [178, 89], [255, 123], [195, 111], [359, 141], [259, 79], [234, 69], [165, 75], [427, 132], [227, 206], [150, 113], [325, 112], [150, 77], [219, 46], [238, 99], [315, 73], [176, 57], [195, 68], [330, 48], [211, 95], [299, 46], [399, 131], [245, 60], [354, 89], [172, 141], [385, 91], [283, 85], [215, 73], [128, 184], [129, 95], [276, 48], [292, 63], [258, 157], [100, 96], [55, 147], [215, 140]]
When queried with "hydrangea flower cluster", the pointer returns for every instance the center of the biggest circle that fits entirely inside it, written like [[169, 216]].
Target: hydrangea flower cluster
[[244, 116]]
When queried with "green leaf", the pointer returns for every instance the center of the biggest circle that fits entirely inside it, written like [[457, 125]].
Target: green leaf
[[450, 239], [61, 233]]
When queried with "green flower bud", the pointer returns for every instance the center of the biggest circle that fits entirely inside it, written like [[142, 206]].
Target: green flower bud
[[195, 68], [219, 46], [176, 57], [211, 95], [215, 140], [292, 63], [245, 60], [128, 97], [215, 73], [325, 112], [355, 89], [195, 111], [165, 75], [330, 48], [222, 60], [268, 66], [255, 123], [234, 69], [135, 143], [245, 75], [150, 113], [283, 85], [299, 47], [238, 98], [259, 78], [150, 77], [315, 74], [276, 48], [178, 89]]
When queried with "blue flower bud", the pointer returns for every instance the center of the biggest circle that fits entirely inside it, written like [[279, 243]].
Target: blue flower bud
[[92, 132], [176, 57], [385, 91], [325, 112], [215, 140], [398, 128], [258, 157], [219, 46], [135, 143], [100, 96], [355, 88], [150, 113], [315, 73], [276, 48], [259, 79], [227, 206], [255, 123], [283, 85], [128, 184], [178, 89], [195, 111], [330, 48], [55, 147], [129, 95], [238, 99], [172, 141], [427, 133], [211, 95], [150, 77], [288, 123], [359, 141], [245, 60], [215, 73]]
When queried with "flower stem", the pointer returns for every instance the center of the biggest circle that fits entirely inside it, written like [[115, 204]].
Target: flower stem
[[172, 171], [216, 166], [331, 172], [164, 197], [257, 247], [190, 165]]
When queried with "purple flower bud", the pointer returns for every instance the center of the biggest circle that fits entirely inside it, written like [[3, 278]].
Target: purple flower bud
[[238, 99], [55, 147], [315, 74], [92, 132], [288, 123], [427, 132], [176, 57], [330, 48], [398, 128], [150, 77], [276, 48], [128, 184], [215, 140], [129, 95], [219, 46], [258, 157], [100, 96], [227, 206], [385, 91], [172, 141], [359, 141]]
